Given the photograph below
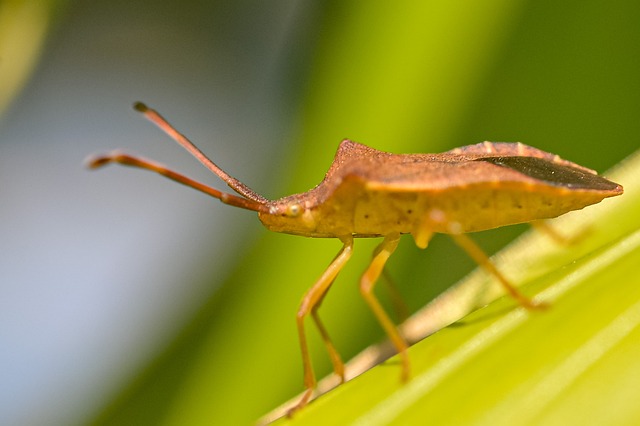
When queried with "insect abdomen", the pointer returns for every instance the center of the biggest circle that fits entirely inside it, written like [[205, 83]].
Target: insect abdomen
[[472, 208]]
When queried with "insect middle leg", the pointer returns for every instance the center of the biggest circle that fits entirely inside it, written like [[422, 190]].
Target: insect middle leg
[[310, 303], [367, 283], [400, 307]]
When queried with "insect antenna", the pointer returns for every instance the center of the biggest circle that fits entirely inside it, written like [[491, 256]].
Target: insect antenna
[[249, 200], [94, 162], [153, 116]]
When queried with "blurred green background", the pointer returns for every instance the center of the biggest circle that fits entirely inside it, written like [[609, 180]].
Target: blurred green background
[[125, 299]]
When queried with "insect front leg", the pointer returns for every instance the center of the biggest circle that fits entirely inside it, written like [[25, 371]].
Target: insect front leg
[[367, 283], [334, 356], [309, 304]]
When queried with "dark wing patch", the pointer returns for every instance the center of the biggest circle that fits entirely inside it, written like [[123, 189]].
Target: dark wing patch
[[552, 173]]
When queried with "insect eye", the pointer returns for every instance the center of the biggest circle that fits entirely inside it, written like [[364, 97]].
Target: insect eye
[[293, 210]]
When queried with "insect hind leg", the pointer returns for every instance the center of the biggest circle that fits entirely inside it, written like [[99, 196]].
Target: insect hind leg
[[481, 258]]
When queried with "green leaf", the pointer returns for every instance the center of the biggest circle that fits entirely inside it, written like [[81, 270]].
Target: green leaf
[[408, 77], [24, 27], [574, 363]]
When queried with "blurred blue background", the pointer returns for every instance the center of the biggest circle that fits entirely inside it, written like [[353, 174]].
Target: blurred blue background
[[125, 298]]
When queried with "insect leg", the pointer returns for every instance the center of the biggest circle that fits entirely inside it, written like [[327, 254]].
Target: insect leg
[[399, 305], [556, 236], [336, 360], [483, 260], [367, 283], [309, 303]]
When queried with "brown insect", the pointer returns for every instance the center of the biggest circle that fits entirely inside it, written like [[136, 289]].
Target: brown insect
[[369, 193]]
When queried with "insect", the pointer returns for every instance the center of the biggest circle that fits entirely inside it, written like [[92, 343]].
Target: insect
[[368, 193]]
